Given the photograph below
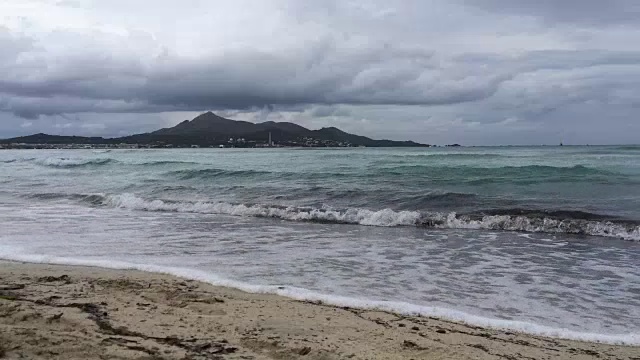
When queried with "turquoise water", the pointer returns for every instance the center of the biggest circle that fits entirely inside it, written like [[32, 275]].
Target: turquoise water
[[539, 239]]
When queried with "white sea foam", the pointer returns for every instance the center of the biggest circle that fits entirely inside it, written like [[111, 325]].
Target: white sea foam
[[304, 294], [537, 225], [385, 217]]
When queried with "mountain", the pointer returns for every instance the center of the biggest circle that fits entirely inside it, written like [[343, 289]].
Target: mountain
[[339, 135], [209, 129], [54, 139]]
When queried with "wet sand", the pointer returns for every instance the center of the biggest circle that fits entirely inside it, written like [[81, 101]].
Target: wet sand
[[66, 312]]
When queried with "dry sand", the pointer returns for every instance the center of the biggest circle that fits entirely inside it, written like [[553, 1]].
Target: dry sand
[[64, 312]]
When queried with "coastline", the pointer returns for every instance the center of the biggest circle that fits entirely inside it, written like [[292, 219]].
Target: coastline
[[75, 312]]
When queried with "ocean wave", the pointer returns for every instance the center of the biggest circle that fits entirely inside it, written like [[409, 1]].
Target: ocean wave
[[54, 196], [193, 174], [552, 223], [457, 156], [72, 163], [386, 217], [397, 307], [166, 162], [508, 172], [10, 161], [552, 214], [627, 148], [80, 162], [519, 175], [620, 230], [93, 199], [470, 175], [388, 195], [446, 196]]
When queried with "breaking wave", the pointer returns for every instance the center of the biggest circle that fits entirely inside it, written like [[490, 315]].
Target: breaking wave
[[523, 223], [384, 217], [533, 221], [74, 163]]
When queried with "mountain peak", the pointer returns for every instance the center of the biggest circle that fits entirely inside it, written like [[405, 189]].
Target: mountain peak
[[208, 116], [209, 124]]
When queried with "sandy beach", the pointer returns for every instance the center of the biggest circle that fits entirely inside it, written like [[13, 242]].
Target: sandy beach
[[65, 312]]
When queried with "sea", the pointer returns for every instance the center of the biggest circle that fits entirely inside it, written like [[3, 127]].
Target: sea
[[543, 240]]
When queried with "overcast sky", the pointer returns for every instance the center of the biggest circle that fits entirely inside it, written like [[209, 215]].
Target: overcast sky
[[477, 72]]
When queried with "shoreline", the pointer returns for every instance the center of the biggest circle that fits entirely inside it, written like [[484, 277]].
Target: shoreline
[[304, 295], [80, 312]]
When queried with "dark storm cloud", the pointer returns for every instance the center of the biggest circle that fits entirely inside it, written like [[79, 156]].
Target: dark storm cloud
[[383, 75], [584, 12], [366, 76]]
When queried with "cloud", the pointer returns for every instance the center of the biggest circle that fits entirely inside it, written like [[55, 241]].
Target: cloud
[[460, 68], [12, 45], [582, 12], [323, 73], [326, 111]]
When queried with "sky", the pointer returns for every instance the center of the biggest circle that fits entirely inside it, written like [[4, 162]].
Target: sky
[[475, 72]]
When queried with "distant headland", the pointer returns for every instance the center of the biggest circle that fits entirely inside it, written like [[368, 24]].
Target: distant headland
[[211, 130]]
